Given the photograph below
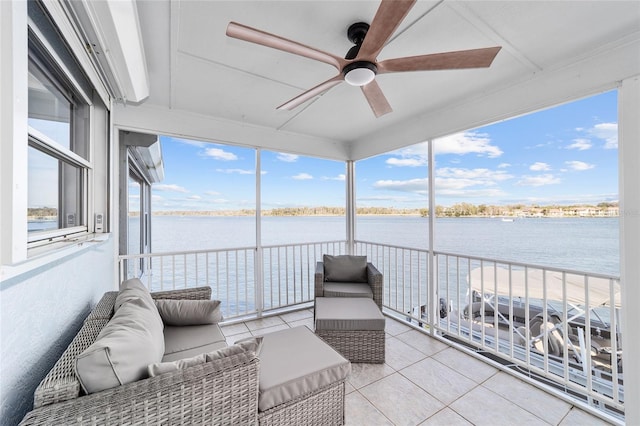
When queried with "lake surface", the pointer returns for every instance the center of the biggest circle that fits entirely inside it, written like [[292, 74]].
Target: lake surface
[[583, 244]]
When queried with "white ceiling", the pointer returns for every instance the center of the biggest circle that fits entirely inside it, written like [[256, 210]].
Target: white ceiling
[[552, 52]]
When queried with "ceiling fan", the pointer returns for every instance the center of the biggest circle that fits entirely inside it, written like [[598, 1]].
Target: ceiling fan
[[360, 65]]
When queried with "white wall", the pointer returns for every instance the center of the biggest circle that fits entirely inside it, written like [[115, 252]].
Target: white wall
[[41, 312]]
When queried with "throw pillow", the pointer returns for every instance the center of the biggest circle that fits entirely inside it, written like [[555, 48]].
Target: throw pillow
[[189, 312], [130, 341], [166, 367], [250, 346], [132, 289], [345, 268]]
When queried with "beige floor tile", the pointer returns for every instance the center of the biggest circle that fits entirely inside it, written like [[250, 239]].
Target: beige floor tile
[[263, 331], [483, 407], [348, 388], [536, 401], [231, 340], [425, 344], [306, 322], [394, 327], [438, 380], [230, 330], [399, 355], [578, 417], [264, 323], [446, 417], [400, 400], [467, 365], [359, 411], [365, 374], [296, 315]]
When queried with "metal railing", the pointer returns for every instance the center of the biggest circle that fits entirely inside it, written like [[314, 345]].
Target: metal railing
[[286, 275], [559, 326]]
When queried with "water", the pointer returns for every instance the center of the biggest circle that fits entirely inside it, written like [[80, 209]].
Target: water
[[583, 244]]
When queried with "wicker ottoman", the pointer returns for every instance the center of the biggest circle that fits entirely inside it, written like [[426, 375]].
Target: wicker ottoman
[[354, 326], [301, 380]]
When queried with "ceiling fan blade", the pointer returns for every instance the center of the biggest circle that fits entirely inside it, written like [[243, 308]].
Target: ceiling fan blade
[[319, 89], [474, 58], [252, 35], [377, 101], [388, 17]]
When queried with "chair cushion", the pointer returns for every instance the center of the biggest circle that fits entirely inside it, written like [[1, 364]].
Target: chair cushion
[[295, 362], [345, 268], [124, 348], [189, 312], [347, 290], [184, 342], [346, 313]]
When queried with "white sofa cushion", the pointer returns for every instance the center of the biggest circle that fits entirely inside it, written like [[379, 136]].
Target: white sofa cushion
[[130, 341], [184, 342], [189, 312]]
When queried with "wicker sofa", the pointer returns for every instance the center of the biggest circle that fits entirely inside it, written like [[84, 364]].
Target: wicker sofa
[[223, 391]]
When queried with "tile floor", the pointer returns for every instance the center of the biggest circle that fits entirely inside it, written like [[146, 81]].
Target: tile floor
[[426, 382]]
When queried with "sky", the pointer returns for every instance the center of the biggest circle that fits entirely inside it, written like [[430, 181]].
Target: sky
[[564, 155]]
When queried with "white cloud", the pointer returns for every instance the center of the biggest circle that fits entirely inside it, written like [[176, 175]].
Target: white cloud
[[287, 158], [169, 187], [580, 144], [211, 192], [607, 132], [220, 201], [194, 197], [220, 154], [539, 167], [479, 176], [340, 177], [540, 180], [503, 165], [467, 143], [407, 162], [579, 165], [302, 176], [236, 171], [418, 186]]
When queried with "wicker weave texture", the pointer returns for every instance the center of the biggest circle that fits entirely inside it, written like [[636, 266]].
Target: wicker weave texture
[[374, 278], [323, 407], [195, 293], [61, 384], [357, 345], [104, 308], [220, 393]]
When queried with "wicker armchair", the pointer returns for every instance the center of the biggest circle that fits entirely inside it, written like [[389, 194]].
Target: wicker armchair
[[346, 289]]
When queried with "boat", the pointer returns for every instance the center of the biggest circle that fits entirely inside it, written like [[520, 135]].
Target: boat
[[549, 313]]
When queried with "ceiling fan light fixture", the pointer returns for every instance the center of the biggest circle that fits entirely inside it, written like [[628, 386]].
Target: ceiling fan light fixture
[[360, 73]]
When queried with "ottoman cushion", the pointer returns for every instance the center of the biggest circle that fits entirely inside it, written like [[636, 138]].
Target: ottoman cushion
[[347, 313], [295, 362]]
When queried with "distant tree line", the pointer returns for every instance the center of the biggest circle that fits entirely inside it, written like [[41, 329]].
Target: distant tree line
[[41, 212]]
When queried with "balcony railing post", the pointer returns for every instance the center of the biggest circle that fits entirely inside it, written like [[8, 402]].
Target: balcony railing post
[[432, 285]]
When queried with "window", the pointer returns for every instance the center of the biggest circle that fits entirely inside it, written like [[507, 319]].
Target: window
[[58, 156]]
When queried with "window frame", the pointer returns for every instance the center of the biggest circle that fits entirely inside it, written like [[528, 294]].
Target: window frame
[[52, 68]]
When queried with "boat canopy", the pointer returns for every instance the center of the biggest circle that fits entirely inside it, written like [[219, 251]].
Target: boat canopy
[[520, 282]]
